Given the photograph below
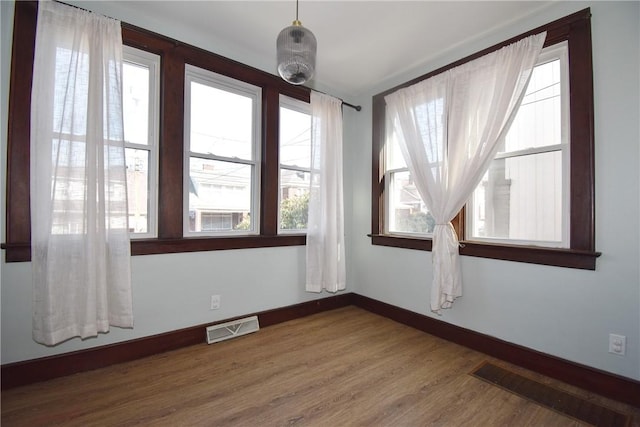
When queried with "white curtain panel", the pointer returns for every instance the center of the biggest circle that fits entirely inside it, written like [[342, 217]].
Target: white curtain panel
[[325, 227], [449, 127], [79, 233]]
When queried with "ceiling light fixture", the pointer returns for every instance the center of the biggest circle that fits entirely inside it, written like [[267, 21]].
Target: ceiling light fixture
[[296, 48]]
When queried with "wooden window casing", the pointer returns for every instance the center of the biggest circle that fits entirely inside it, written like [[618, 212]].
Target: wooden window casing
[[174, 56], [576, 30]]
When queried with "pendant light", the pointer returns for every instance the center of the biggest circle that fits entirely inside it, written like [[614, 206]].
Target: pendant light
[[296, 49]]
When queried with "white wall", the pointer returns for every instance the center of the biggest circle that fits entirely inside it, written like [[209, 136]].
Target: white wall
[[563, 312], [170, 291]]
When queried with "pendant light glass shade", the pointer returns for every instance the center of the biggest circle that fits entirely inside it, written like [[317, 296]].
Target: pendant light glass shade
[[296, 48]]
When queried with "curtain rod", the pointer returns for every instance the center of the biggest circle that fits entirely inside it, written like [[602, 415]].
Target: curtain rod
[[85, 10], [355, 107]]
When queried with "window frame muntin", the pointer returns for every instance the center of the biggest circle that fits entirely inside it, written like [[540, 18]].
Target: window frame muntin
[[576, 30]]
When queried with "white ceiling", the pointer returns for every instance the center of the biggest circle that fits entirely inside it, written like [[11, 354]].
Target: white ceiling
[[360, 43]]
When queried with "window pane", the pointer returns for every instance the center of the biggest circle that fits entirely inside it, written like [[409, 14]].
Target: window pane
[[138, 189], [295, 164], [221, 188], [294, 199], [221, 122], [135, 99], [538, 121], [394, 157], [141, 116], [295, 138], [430, 118], [407, 211], [68, 187], [520, 198]]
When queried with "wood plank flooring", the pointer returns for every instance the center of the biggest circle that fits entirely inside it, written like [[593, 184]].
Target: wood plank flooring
[[345, 367]]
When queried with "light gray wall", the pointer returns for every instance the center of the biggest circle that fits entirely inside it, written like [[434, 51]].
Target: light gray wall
[[6, 28], [563, 312]]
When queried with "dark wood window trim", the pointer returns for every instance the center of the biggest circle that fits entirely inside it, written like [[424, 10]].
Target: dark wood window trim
[[174, 55], [576, 30]]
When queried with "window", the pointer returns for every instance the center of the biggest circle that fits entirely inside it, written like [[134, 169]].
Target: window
[[535, 204], [221, 134], [188, 191], [521, 198], [140, 81], [406, 211], [295, 163]]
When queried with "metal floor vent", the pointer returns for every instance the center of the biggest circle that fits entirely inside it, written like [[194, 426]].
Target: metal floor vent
[[235, 328]]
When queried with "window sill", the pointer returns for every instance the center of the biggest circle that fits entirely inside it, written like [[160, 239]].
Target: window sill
[[396, 241], [569, 258], [21, 252], [199, 244]]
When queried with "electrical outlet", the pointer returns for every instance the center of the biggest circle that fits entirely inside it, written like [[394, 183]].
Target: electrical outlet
[[617, 344], [215, 302]]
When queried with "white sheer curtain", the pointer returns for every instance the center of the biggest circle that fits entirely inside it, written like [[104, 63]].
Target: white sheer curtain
[[79, 231], [325, 227], [448, 128]]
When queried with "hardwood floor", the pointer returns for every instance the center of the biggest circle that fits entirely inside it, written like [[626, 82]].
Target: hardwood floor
[[339, 368]]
